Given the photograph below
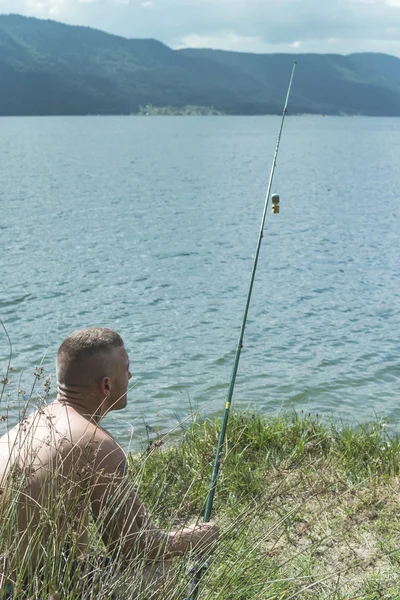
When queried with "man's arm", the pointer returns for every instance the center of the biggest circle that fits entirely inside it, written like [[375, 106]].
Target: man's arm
[[123, 520]]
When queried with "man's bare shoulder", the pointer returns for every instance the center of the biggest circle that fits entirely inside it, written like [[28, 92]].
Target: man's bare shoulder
[[76, 426], [78, 432], [107, 454]]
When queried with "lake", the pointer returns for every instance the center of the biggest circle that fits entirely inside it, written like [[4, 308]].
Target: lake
[[149, 225]]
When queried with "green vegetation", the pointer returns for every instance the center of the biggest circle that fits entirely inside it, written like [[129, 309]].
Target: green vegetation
[[48, 68], [308, 509]]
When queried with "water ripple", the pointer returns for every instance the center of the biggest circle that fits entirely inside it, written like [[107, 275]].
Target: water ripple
[[102, 230]]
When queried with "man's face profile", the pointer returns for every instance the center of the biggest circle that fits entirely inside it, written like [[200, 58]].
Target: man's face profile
[[121, 378]]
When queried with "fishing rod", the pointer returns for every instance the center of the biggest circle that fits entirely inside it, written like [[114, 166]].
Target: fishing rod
[[198, 571]]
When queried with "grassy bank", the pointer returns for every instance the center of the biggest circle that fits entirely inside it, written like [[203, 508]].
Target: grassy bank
[[307, 509]]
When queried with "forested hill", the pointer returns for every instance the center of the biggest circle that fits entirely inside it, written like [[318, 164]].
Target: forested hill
[[47, 68]]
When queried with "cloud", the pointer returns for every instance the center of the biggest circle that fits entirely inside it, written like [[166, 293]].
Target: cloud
[[251, 25], [228, 40], [46, 8], [292, 25]]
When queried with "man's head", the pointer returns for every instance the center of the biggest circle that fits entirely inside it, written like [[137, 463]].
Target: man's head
[[93, 363]]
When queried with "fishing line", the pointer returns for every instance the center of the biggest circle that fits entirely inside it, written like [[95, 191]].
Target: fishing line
[[198, 571]]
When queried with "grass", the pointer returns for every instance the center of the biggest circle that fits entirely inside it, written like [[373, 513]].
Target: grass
[[307, 508]]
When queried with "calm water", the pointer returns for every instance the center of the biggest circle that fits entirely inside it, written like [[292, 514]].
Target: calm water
[[149, 226]]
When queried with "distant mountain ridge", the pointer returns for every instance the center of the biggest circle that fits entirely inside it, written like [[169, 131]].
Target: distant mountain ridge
[[48, 68]]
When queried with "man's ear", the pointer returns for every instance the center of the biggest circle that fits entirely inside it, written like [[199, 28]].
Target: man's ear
[[105, 386]]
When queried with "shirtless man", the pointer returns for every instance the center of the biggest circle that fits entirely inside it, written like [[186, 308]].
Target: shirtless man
[[58, 465]]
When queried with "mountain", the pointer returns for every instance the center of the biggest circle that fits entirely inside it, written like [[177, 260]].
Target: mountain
[[48, 68], [365, 83]]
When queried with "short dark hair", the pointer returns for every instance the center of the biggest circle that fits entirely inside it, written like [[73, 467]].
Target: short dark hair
[[82, 344]]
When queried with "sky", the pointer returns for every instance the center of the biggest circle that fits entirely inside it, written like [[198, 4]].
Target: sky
[[324, 26]]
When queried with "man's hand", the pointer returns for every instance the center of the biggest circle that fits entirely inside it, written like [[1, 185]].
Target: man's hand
[[204, 537], [200, 538]]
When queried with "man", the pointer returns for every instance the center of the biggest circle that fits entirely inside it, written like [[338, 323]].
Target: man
[[58, 466]]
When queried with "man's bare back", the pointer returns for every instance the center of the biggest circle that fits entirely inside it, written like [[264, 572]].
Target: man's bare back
[[50, 457], [58, 465]]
